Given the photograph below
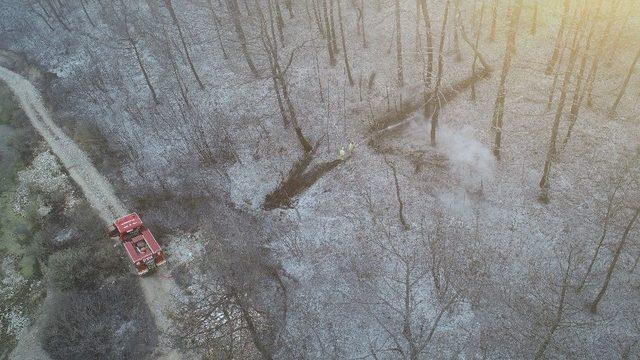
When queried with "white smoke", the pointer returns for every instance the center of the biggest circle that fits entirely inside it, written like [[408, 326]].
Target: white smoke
[[470, 160]]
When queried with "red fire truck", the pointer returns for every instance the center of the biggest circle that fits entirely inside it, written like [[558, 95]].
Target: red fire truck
[[143, 249]]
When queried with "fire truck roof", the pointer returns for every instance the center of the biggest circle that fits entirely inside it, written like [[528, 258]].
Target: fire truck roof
[[127, 223]]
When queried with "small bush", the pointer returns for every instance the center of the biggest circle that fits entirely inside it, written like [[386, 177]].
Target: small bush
[[10, 112], [112, 322], [88, 257], [17, 235], [84, 267]]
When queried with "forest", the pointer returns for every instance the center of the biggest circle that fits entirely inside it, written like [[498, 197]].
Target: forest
[[329, 179]]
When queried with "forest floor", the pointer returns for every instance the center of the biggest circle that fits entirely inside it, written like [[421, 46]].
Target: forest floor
[[493, 203]]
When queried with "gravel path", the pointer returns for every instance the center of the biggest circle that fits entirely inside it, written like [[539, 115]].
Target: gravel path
[[158, 289]]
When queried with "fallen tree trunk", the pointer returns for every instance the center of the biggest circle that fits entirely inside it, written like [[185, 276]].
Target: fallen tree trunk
[[298, 181]]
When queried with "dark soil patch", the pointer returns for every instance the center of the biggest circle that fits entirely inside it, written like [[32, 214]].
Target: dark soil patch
[[297, 182]]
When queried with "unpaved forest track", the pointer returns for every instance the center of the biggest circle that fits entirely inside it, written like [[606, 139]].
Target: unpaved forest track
[[157, 290]]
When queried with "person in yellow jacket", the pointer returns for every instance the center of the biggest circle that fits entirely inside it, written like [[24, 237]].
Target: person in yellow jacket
[[342, 154]]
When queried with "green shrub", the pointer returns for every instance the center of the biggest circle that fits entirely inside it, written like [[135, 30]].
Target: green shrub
[[10, 112], [17, 235], [67, 269]]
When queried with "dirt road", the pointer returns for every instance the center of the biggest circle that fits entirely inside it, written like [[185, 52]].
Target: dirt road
[[157, 289]]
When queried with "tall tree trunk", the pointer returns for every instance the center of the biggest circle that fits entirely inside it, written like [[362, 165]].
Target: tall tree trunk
[[327, 26], [418, 39], [613, 50], [344, 45], [84, 9], [494, 19], [280, 84], [234, 9], [612, 266], [253, 330], [394, 172], [172, 13], [217, 25], [318, 18], [456, 31], [436, 92], [475, 54], [534, 19], [559, 38], [57, 16], [334, 39], [605, 229], [143, 69], [182, 86], [625, 83], [498, 110], [593, 71], [559, 313], [429, 49], [364, 28], [551, 152], [399, 64], [43, 16], [289, 6], [556, 76], [279, 21], [578, 91]]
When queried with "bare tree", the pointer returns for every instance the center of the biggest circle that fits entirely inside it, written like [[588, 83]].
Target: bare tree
[[557, 319], [40, 11], [612, 209], [234, 10], [559, 38], [498, 110], [456, 31], [359, 5], [436, 92], [429, 49], [239, 314], [331, 47], [344, 45], [614, 261], [578, 92], [118, 17], [534, 19], [615, 46], [56, 14], [278, 75], [475, 54], [494, 19], [318, 17], [394, 172], [279, 20], [551, 152], [217, 25], [399, 64], [333, 27], [599, 53], [86, 13], [174, 18], [396, 299], [625, 83]]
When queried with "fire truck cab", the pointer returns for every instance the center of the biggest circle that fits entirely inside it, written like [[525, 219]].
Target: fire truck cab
[[143, 249]]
